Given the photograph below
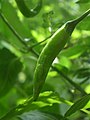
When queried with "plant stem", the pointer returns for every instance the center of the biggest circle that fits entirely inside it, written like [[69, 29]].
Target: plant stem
[[39, 42], [16, 34], [19, 109], [12, 29], [77, 86]]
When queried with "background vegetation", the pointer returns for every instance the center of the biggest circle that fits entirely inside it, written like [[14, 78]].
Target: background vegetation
[[19, 50]]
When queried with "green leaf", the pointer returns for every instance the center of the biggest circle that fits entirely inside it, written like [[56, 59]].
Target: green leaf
[[79, 104], [10, 66], [84, 25], [65, 62], [83, 1], [26, 11], [38, 115], [74, 52], [45, 99]]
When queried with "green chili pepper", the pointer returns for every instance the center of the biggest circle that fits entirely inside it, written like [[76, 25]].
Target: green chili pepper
[[26, 11], [51, 50]]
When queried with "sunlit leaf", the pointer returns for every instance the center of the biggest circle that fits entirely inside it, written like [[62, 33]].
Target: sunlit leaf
[[74, 52], [45, 99]]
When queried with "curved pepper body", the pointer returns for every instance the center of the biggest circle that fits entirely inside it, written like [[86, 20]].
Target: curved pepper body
[[55, 44]]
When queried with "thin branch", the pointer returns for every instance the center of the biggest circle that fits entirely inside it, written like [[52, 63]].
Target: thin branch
[[77, 86], [35, 53], [39, 42], [16, 34], [85, 80], [12, 29], [20, 38]]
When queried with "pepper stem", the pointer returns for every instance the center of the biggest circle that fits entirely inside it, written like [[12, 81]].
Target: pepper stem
[[70, 25], [79, 19]]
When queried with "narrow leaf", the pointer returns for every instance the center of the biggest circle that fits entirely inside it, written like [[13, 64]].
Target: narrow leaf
[[74, 52], [78, 105], [82, 1]]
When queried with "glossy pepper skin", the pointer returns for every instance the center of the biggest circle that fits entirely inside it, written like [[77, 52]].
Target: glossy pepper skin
[[51, 50], [26, 11]]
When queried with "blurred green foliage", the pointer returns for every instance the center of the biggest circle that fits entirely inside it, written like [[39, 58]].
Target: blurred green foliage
[[73, 61]]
